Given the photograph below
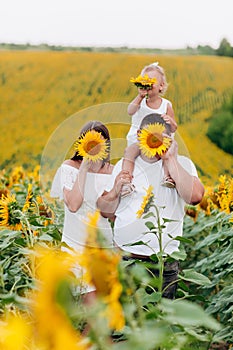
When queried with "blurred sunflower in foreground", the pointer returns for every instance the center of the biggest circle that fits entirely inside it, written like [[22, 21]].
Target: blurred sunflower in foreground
[[151, 140], [47, 324], [92, 146], [101, 270]]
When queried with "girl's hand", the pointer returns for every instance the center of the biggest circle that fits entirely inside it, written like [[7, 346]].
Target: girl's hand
[[170, 120], [142, 92], [167, 118], [123, 178]]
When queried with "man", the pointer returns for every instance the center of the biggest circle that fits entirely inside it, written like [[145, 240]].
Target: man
[[170, 203]]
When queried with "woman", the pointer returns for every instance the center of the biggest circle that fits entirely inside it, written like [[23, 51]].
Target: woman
[[79, 181]]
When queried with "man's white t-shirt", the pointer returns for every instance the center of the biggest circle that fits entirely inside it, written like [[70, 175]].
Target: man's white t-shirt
[[128, 229]]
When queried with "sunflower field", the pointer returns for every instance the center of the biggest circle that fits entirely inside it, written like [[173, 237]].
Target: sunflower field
[[40, 303], [41, 90], [45, 98]]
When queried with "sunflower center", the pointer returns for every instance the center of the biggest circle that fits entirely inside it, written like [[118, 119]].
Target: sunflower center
[[92, 148], [154, 141]]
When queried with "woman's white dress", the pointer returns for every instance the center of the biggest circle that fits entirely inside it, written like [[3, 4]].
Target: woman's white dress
[[75, 224]]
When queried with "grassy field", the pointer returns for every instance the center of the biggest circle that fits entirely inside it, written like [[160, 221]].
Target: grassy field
[[47, 96]]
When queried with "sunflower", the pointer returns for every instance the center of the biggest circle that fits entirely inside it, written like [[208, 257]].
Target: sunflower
[[45, 211], [17, 175], [192, 211], [152, 142], [92, 146], [4, 191], [143, 82], [101, 270], [225, 193], [15, 332], [49, 308], [8, 207], [34, 175], [146, 202], [28, 202]]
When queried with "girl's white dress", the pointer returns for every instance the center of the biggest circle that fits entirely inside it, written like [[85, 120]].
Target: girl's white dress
[[140, 114]]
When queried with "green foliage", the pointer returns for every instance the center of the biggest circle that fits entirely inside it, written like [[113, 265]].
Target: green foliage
[[220, 129], [211, 254], [152, 322], [16, 244], [15, 278], [206, 50], [225, 48]]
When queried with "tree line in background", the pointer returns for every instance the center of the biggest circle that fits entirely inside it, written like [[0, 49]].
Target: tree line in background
[[224, 49], [220, 129]]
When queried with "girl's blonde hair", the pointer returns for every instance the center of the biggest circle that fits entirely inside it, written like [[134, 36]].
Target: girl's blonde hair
[[155, 67]]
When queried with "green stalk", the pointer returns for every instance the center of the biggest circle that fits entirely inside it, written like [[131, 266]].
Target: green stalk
[[28, 232], [160, 255]]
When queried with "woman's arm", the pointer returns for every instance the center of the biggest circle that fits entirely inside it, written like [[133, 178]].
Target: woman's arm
[[74, 198]]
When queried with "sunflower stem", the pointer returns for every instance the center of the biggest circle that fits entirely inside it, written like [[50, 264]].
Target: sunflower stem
[[160, 255], [28, 232]]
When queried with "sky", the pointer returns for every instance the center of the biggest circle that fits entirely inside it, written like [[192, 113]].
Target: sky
[[133, 23]]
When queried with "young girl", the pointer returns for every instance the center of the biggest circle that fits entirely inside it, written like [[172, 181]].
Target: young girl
[[146, 102]]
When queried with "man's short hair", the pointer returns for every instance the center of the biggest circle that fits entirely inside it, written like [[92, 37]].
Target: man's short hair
[[154, 118]]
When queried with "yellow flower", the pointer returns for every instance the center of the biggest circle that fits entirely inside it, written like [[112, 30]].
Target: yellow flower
[[143, 82], [92, 146], [8, 207], [225, 194], [15, 333], [220, 197], [45, 211], [47, 325], [28, 202], [53, 327], [17, 175], [4, 191], [191, 211], [152, 142], [101, 270], [114, 311], [34, 175], [147, 200]]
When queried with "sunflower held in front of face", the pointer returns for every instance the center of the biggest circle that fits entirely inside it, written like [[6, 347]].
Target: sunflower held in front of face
[[144, 82], [92, 146], [152, 142]]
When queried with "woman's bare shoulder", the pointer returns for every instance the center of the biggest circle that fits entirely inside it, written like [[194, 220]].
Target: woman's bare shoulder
[[73, 163]]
